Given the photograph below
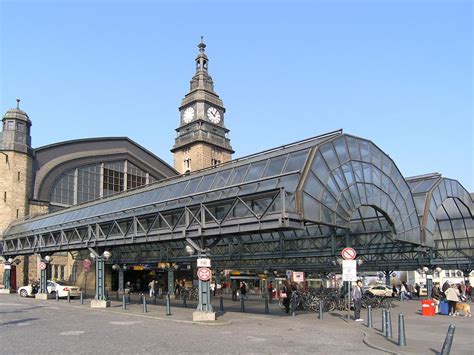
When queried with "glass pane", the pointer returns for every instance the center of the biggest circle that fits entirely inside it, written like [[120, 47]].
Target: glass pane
[[341, 150], [237, 175], [193, 184], [353, 148], [296, 161], [256, 170], [206, 183], [275, 166], [221, 179], [330, 156], [320, 169]]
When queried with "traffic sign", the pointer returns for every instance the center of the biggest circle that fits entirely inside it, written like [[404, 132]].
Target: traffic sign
[[298, 276], [288, 273], [86, 263], [349, 270], [203, 262], [42, 266], [348, 253], [204, 273]]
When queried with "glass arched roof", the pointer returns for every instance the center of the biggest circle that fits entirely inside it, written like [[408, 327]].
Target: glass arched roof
[[326, 180]]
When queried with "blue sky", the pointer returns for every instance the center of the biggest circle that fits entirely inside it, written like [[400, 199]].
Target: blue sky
[[396, 72]]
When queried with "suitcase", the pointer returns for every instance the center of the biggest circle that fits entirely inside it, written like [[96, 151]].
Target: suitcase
[[444, 307]]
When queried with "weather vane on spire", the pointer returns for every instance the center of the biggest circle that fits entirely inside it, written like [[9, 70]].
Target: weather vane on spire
[[18, 103], [202, 45]]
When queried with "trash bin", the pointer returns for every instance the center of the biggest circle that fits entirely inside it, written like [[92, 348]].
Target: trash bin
[[444, 307], [427, 308]]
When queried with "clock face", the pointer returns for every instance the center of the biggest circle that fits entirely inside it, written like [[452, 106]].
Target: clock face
[[213, 115], [188, 115]]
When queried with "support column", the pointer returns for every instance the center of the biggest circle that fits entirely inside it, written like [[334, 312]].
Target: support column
[[387, 278], [204, 310], [171, 283], [121, 279], [429, 284], [7, 269], [43, 290], [100, 300]]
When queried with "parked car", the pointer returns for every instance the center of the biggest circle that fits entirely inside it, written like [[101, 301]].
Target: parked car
[[380, 290], [28, 290], [62, 289], [52, 286]]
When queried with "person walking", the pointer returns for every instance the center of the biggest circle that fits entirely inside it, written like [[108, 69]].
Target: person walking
[[357, 298], [151, 288], [417, 290], [436, 294], [270, 292], [286, 291], [452, 295], [243, 290]]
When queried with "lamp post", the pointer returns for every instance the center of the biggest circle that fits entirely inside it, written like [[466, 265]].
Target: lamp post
[[100, 273], [120, 269], [429, 271], [7, 266]]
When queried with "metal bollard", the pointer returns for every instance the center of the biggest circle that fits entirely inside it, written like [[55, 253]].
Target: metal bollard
[[448, 341], [82, 298], [321, 309], [267, 311], [168, 305], [68, 297], [144, 304], [129, 300], [384, 321], [221, 304], [184, 302], [124, 303], [402, 341], [242, 305], [369, 317], [389, 325]]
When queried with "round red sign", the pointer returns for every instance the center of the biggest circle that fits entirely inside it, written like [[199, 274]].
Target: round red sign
[[204, 273], [42, 266], [348, 253]]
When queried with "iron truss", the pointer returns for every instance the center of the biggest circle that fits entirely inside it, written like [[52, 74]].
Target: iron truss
[[241, 214]]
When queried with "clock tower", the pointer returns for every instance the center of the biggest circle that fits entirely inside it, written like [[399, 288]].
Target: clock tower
[[202, 138]]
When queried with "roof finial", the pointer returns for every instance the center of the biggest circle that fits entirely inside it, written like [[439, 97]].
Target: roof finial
[[202, 45], [18, 104]]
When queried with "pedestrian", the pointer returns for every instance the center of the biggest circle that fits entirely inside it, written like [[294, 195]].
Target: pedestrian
[[452, 295], [445, 287], [151, 288], [436, 294], [403, 292], [234, 291], [270, 291], [417, 289], [243, 290], [394, 291], [286, 295], [357, 298]]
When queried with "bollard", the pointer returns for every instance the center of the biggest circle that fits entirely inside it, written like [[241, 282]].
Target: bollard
[[389, 325], [82, 298], [369, 317], [448, 341], [144, 304], [184, 302], [168, 305], [57, 296], [68, 297], [124, 303], [402, 341], [267, 311], [321, 309], [242, 305], [384, 321], [221, 304], [293, 312]]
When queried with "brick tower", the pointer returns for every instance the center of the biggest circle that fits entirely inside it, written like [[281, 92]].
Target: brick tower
[[202, 138]]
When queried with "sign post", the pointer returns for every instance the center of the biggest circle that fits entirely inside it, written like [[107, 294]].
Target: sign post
[[349, 273]]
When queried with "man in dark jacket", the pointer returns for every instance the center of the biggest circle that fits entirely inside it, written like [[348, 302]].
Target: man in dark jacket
[[446, 286]]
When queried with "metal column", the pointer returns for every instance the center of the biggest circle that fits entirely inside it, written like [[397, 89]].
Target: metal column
[[171, 282], [100, 278], [120, 279], [204, 297], [387, 278], [43, 280], [7, 275], [429, 285]]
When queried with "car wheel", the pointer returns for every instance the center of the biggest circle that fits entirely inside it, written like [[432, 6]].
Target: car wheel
[[53, 293], [24, 293]]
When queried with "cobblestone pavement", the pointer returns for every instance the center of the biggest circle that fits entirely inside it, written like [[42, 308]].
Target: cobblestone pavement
[[31, 326]]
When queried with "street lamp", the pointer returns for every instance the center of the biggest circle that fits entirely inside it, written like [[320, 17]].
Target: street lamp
[[190, 250]]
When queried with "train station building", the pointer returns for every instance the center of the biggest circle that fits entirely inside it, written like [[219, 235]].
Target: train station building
[[294, 207]]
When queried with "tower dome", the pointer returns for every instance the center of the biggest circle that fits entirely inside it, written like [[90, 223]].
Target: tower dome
[[15, 135], [17, 114]]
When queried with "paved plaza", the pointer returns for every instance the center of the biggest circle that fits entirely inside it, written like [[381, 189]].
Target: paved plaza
[[31, 326]]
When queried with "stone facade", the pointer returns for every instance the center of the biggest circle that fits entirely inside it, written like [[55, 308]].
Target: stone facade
[[200, 155], [15, 187]]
